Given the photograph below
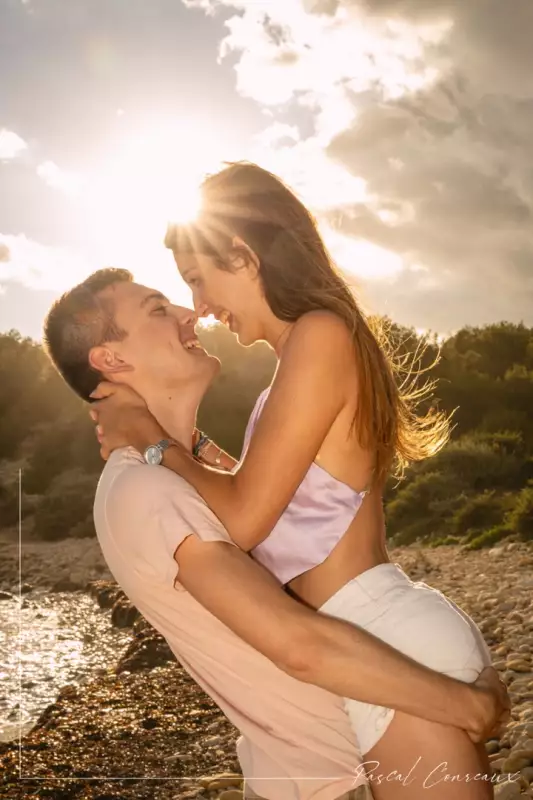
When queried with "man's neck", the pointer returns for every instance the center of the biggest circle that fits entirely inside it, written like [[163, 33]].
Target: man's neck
[[175, 410]]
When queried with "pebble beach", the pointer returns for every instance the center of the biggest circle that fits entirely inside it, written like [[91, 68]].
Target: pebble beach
[[139, 727]]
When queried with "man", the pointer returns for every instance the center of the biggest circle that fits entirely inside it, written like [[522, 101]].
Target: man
[[270, 663]]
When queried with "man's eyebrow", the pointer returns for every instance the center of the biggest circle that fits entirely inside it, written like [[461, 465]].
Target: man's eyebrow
[[153, 296]]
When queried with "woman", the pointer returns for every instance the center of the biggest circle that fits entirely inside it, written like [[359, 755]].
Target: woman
[[306, 498]]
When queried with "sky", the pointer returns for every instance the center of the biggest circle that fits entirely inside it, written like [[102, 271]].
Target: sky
[[405, 125]]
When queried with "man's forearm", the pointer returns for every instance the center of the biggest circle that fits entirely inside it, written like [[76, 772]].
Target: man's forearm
[[349, 661], [313, 647]]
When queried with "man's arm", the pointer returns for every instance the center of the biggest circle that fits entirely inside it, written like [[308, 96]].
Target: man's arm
[[318, 649]]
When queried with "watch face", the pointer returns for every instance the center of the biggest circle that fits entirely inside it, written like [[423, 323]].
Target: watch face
[[153, 455]]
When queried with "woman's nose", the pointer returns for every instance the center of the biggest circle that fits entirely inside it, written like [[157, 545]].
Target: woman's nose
[[202, 309]]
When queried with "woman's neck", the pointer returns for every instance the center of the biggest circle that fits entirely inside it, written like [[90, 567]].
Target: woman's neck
[[276, 333]]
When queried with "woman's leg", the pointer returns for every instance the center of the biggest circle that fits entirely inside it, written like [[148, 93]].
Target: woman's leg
[[420, 760], [361, 793], [406, 756]]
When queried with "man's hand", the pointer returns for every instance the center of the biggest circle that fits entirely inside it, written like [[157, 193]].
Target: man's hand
[[122, 418], [493, 708]]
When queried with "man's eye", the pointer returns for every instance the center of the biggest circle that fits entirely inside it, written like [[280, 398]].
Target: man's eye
[[194, 281], [160, 310]]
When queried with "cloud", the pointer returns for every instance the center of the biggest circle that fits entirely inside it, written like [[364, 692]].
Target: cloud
[[38, 266], [5, 253], [11, 145], [425, 108], [66, 182]]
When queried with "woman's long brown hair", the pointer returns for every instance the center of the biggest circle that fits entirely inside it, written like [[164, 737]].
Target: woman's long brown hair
[[298, 275]]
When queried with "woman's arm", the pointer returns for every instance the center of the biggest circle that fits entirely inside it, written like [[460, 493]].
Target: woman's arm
[[211, 454], [309, 390]]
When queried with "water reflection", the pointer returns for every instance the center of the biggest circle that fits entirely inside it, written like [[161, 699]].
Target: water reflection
[[48, 641]]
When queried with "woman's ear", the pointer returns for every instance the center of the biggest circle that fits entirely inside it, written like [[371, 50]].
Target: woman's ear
[[243, 256]]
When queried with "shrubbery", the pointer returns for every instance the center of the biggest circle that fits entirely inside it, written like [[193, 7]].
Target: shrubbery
[[477, 491]]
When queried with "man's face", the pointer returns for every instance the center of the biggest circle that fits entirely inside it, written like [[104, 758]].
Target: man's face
[[161, 344]]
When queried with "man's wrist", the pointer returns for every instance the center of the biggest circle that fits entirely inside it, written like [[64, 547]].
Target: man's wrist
[[469, 706], [149, 433]]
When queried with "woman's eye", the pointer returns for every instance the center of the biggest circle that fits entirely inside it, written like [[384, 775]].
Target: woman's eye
[[160, 310], [194, 281]]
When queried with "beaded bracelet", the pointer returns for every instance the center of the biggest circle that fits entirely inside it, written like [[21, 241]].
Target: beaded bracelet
[[202, 440]]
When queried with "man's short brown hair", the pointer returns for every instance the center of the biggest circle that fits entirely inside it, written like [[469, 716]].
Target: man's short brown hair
[[80, 320]]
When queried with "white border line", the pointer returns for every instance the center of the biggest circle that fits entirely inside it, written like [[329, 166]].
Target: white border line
[[20, 622]]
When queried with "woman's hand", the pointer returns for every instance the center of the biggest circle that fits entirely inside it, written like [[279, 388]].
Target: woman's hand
[[123, 419], [493, 707]]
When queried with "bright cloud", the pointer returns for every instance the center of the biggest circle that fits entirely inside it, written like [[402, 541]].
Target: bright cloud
[[59, 179], [40, 267], [361, 258], [11, 145], [420, 154]]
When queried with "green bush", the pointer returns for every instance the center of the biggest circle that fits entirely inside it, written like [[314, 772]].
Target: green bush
[[478, 512], [490, 537], [66, 506], [520, 518], [445, 542]]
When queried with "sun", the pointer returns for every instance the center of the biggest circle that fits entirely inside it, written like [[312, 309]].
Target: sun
[[154, 178]]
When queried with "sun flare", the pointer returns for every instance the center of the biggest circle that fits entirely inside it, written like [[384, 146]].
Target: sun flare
[[154, 179]]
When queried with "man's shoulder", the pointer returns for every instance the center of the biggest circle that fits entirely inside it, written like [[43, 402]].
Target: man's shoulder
[[127, 481], [126, 467]]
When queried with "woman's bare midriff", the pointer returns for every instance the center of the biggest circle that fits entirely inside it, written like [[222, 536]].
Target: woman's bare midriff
[[362, 547]]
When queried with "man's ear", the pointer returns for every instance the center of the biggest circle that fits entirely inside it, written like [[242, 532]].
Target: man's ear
[[243, 256], [107, 361]]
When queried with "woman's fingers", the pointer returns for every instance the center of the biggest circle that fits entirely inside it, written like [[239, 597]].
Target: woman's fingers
[[104, 389]]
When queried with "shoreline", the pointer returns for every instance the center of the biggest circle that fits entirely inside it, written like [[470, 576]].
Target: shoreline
[[65, 565], [145, 725]]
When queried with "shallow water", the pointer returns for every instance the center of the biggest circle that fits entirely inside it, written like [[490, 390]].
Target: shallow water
[[49, 641]]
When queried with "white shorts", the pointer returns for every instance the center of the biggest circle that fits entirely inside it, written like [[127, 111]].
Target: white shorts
[[415, 619]]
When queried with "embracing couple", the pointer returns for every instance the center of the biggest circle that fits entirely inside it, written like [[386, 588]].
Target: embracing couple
[[269, 577]]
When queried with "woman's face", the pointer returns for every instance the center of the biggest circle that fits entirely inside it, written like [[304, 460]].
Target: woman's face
[[234, 297]]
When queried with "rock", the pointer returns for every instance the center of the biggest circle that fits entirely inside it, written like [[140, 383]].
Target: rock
[[105, 592], [527, 773], [147, 651], [225, 780], [66, 585], [124, 613], [231, 794], [506, 791], [149, 723], [518, 665], [212, 741], [25, 588], [141, 625], [6, 596], [499, 665], [492, 747], [524, 752], [514, 763]]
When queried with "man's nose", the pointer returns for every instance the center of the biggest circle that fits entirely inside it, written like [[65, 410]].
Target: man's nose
[[185, 316]]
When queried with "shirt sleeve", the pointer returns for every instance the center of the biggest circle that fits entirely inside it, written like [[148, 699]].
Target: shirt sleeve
[[150, 511]]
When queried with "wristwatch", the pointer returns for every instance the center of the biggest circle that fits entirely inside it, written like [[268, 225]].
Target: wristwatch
[[153, 454]]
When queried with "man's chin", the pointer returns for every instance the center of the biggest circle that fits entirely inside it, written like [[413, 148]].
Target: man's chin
[[209, 366]]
